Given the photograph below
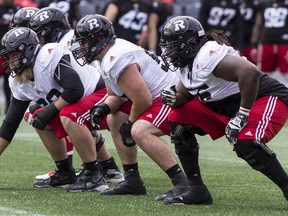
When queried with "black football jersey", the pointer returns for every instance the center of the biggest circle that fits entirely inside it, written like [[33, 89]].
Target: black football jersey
[[131, 19], [275, 16], [222, 15], [248, 11]]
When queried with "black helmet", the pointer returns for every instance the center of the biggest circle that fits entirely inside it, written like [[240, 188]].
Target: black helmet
[[22, 17], [24, 41], [97, 31], [179, 39], [50, 24]]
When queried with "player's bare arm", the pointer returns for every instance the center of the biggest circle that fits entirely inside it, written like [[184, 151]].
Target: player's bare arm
[[238, 69]]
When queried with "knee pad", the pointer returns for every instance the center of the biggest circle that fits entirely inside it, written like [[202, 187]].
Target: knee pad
[[183, 137], [255, 153], [100, 143]]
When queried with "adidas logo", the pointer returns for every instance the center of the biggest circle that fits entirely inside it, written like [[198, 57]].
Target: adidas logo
[[74, 114], [211, 52], [149, 115], [248, 133]]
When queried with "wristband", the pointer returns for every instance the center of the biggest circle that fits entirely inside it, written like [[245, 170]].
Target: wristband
[[244, 111]]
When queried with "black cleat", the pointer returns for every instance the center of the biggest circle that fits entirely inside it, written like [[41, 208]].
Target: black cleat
[[59, 179], [113, 176], [88, 181], [196, 195], [127, 189], [180, 186], [175, 191]]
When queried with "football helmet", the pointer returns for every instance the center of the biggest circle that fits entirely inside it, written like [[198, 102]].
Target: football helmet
[[50, 24], [179, 39], [22, 17], [24, 41], [93, 33]]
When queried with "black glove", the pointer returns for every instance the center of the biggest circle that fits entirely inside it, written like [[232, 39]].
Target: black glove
[[97, 113], [33, 108], [234, 126], [168, 95], [125, 131], [43, 118]]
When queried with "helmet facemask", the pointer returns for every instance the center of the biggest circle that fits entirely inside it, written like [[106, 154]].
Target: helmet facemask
[[19, 47], [88, 44], [180, 39]]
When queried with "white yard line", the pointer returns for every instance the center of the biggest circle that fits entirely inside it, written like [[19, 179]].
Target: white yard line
[[14, 211]]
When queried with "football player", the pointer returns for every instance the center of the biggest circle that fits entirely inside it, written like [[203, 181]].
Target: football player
[[237, 100], [131, 72], [51, 25], [44, 75]]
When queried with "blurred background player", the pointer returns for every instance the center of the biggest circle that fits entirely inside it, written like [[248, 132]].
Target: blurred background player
[[248, 11], [271, 31], [161, 12], [69, 7], [221, 15], [7, 9], [129, 18]]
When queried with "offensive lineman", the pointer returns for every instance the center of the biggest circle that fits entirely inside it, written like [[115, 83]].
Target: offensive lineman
[[44, 75], [255, 106]]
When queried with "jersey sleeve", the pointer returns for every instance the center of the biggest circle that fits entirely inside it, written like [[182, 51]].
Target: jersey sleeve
[[48, 58], [209, 57]]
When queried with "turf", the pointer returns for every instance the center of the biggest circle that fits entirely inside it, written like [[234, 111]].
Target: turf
[[236, 188]]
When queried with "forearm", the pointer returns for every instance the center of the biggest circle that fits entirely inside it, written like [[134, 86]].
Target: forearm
[[3, 145]]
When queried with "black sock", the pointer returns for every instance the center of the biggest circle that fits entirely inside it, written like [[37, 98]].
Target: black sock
[[91, 166], [64, 165], [70, 159], [109, 164], [173, 171], [131, 172], [276, 173], [190, 164]]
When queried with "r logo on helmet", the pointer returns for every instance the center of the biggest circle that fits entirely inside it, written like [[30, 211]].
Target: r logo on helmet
[[44, 15], [18, 32], [93, 24], [180, 26]]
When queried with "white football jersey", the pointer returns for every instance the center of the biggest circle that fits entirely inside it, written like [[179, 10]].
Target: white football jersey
[[123, 54], [201, 81], [89, 74], [44, 89]]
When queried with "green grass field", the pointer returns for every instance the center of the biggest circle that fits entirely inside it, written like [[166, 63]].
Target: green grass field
[[235, 187]]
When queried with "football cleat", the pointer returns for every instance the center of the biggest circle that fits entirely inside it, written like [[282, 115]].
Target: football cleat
[[59, 179], [195, 195], [127, 189], [180, 187], [46, 175], [175, 191], [113, 176], [88, 181]]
